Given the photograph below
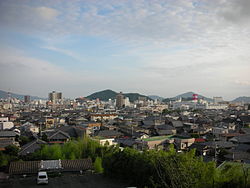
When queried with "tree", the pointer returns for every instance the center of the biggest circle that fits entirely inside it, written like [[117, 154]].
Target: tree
[[45, 137], [23, 140], [11, 150], [98, 165]]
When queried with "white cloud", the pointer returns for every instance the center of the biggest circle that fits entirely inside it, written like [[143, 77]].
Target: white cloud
[[203, 44]]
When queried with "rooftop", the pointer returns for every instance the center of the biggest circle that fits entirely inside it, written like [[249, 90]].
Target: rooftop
[[154, 138]]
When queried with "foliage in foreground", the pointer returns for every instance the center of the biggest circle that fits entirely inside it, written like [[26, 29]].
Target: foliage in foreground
[[143, 169], [170, 169]]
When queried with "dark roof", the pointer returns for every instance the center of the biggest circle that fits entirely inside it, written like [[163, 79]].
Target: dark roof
[[245, 130], [77, 165], [109, 133], [177, 123], [239, 155], [26, 167], [138, 134], [126, 142], [245, 118], [31, 147], [199, 146], [219, 144], [57, 134], [162, 132], [244, 138], [242, 147], [73, 131], [30, 167], [165, 127], [7, 134], [5, 142]]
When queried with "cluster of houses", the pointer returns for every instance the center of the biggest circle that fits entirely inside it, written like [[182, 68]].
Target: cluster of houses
[[215, 134]]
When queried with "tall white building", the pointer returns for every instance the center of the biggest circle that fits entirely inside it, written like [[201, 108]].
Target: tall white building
[[126, 101]]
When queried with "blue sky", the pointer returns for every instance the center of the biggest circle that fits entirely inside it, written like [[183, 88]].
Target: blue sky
[[161, 47]]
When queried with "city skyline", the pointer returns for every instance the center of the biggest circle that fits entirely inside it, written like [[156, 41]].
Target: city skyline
[[150, 47]]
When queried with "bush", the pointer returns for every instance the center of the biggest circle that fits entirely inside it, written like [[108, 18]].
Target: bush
[[98, 165]]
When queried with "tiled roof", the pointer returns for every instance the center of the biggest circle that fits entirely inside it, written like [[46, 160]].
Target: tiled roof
[[30, 167], [109, 133], [26, 167], [31, 147], [59, 135], [5, 142], [7, 134], [77, 165], [50, 164]]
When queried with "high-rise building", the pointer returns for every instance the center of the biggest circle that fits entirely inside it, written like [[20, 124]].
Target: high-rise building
[[126, 101], [120, 101], [27, 99], [55, 97]]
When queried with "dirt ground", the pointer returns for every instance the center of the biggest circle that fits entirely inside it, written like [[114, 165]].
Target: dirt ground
[[65, 181]]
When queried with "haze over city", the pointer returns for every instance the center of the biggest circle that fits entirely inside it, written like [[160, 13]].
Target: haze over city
[[151, 47]]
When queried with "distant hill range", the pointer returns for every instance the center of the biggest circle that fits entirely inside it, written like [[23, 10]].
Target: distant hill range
[[154, 97], [107, 94], [4, 95], [187, 96], [242, 99]]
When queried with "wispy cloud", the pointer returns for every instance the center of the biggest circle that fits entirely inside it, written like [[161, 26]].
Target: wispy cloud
[[174, 42]]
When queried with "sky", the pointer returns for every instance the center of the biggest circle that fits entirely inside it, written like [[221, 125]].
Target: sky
[[161, 47]]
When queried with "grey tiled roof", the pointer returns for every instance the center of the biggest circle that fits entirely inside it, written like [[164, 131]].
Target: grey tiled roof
[[109, 133], [77, 165], [7, 134], [6, 142], [31, 167], [26, 167], [31, 147]]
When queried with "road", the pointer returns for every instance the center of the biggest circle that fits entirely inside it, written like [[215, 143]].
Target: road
[[65, 181]]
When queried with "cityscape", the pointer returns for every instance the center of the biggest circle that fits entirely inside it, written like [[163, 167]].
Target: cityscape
[[125, 94], [218, 130]]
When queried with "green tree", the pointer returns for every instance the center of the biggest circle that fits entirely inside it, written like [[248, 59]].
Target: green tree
[[23, 140], [11, 150], [98, 165]]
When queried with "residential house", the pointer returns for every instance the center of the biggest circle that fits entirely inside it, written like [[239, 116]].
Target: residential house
[[31, 147], [183, 143], [5, 124], [30, 127], [101, 117], [56, 136], [109, 134], [165, 129], [7, 138]]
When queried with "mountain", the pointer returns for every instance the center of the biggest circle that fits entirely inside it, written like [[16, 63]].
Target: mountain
[[242, 99], [104, 95], [107, 94], [187, 96], [4, 95], [134, 96], [154, 97]]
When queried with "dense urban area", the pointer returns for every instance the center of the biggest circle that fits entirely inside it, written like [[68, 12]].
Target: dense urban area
[[131, 139]]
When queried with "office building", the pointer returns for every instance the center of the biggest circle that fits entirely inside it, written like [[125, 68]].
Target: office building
[[55, 97], [27, 99], [120, 101]]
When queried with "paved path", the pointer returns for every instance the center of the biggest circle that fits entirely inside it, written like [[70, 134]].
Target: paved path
[[66, 181]]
